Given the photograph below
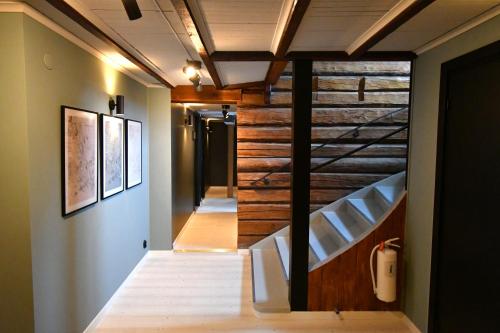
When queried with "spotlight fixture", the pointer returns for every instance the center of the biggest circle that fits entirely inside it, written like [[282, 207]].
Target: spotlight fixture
[[132, 9], [119, 105], [192, 71], [225, 110]]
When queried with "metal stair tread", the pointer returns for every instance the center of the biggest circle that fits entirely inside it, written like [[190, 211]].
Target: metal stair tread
[[270, 289], [368, 207], [389, 193], [324, 240], [346, 224], [283, 245]]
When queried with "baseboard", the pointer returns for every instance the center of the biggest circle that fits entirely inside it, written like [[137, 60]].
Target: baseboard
[[97, 319], [410, 324], [184, 227]]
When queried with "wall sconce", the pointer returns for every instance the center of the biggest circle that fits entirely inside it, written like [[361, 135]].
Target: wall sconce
[[188, 120], [192, 71], [119, 105]]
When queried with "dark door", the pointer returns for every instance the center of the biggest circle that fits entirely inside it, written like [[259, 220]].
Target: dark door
[[465, 287], [199, 138], [217, 153]]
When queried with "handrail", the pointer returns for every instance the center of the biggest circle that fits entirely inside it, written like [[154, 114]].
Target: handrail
[[351, 152], [354, 131]]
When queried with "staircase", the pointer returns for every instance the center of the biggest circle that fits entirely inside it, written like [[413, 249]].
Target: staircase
[[333, 230]]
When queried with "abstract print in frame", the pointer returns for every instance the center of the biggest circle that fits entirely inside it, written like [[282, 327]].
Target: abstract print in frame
[[79, 159], [112, 156], [133, 152]]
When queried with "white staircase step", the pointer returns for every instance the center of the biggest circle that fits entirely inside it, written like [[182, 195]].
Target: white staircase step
[[270, 289], [283, 246], [389, 193], [324, 240], [347, 226], [369, 208]]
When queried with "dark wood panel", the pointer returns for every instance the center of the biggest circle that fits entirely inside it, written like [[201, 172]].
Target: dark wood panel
[[347, 97], [344, 283], [260, 227], [359, 67], [321, 116], [318, 180], [350, 83], [256, 149], [263, 211], [245, 241], [283, 196], [319, 134], [348, 165]]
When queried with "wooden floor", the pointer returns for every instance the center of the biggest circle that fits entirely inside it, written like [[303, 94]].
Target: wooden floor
[[213, 227], [212, 292]]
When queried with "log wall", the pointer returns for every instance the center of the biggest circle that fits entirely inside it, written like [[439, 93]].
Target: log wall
[[264, 133]]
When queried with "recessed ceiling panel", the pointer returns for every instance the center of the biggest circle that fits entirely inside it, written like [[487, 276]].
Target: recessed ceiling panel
[[232, 72], [237, 25], [432, 22], [332, 25]]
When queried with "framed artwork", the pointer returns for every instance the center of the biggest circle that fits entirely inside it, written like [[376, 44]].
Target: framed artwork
[[133, 152], [112, 156], [79, 159]]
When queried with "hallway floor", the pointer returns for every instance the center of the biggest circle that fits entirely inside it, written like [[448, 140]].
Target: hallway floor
[[213, 227], [212, 292]]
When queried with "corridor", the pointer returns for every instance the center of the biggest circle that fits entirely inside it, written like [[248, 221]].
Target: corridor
[[212, 227]]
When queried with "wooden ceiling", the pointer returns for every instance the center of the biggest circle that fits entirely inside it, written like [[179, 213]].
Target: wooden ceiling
[[248, 42]]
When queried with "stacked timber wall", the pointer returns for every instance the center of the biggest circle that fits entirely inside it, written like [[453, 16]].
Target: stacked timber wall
[[264, 133]]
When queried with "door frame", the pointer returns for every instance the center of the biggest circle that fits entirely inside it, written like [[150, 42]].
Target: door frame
[[447, 68]]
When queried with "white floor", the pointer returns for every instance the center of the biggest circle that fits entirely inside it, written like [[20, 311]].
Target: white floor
[[213, 227], [211, 292]]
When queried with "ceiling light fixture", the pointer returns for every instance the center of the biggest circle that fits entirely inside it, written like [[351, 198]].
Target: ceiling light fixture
[[192, 71], [132, 9]]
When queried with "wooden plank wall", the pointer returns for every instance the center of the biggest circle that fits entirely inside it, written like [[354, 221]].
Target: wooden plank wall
[[264, 132]]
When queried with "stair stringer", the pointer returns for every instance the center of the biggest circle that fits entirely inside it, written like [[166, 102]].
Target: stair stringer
[[343, 282]]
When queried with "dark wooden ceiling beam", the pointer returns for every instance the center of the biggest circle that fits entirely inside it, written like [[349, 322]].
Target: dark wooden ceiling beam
[[245, 85], [85, 23], [242, 56], [276, 67], [405, 15], [209, 95], [187, 18]]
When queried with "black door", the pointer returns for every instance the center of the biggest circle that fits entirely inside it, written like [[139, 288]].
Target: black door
[[465, 284]]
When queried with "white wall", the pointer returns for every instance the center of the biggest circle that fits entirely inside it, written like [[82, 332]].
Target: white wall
[[422, 163]]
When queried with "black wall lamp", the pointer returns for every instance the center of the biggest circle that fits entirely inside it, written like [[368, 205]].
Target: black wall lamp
[[119, 105]]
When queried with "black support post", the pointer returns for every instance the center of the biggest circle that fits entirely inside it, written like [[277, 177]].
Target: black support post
[[300, 179]]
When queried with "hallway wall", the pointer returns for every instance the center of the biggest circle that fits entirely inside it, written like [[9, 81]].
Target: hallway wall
[[182, 169], [422, 163], [160, 168], [77, 262], [16, 300]]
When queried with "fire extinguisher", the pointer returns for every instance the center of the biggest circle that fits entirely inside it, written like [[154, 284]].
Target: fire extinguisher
[[385, 285]]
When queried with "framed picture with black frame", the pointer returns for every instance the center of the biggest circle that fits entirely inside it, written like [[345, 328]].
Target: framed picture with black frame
[[133, 152], [112, 156], [79, 160]]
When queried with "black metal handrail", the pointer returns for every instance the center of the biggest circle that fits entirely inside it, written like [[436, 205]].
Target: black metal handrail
[[354, 132]]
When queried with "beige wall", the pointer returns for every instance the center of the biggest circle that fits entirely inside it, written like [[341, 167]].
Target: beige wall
[[422, 163], [16, 297]]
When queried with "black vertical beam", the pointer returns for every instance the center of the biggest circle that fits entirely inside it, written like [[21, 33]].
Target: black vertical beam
[[300, 179]]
